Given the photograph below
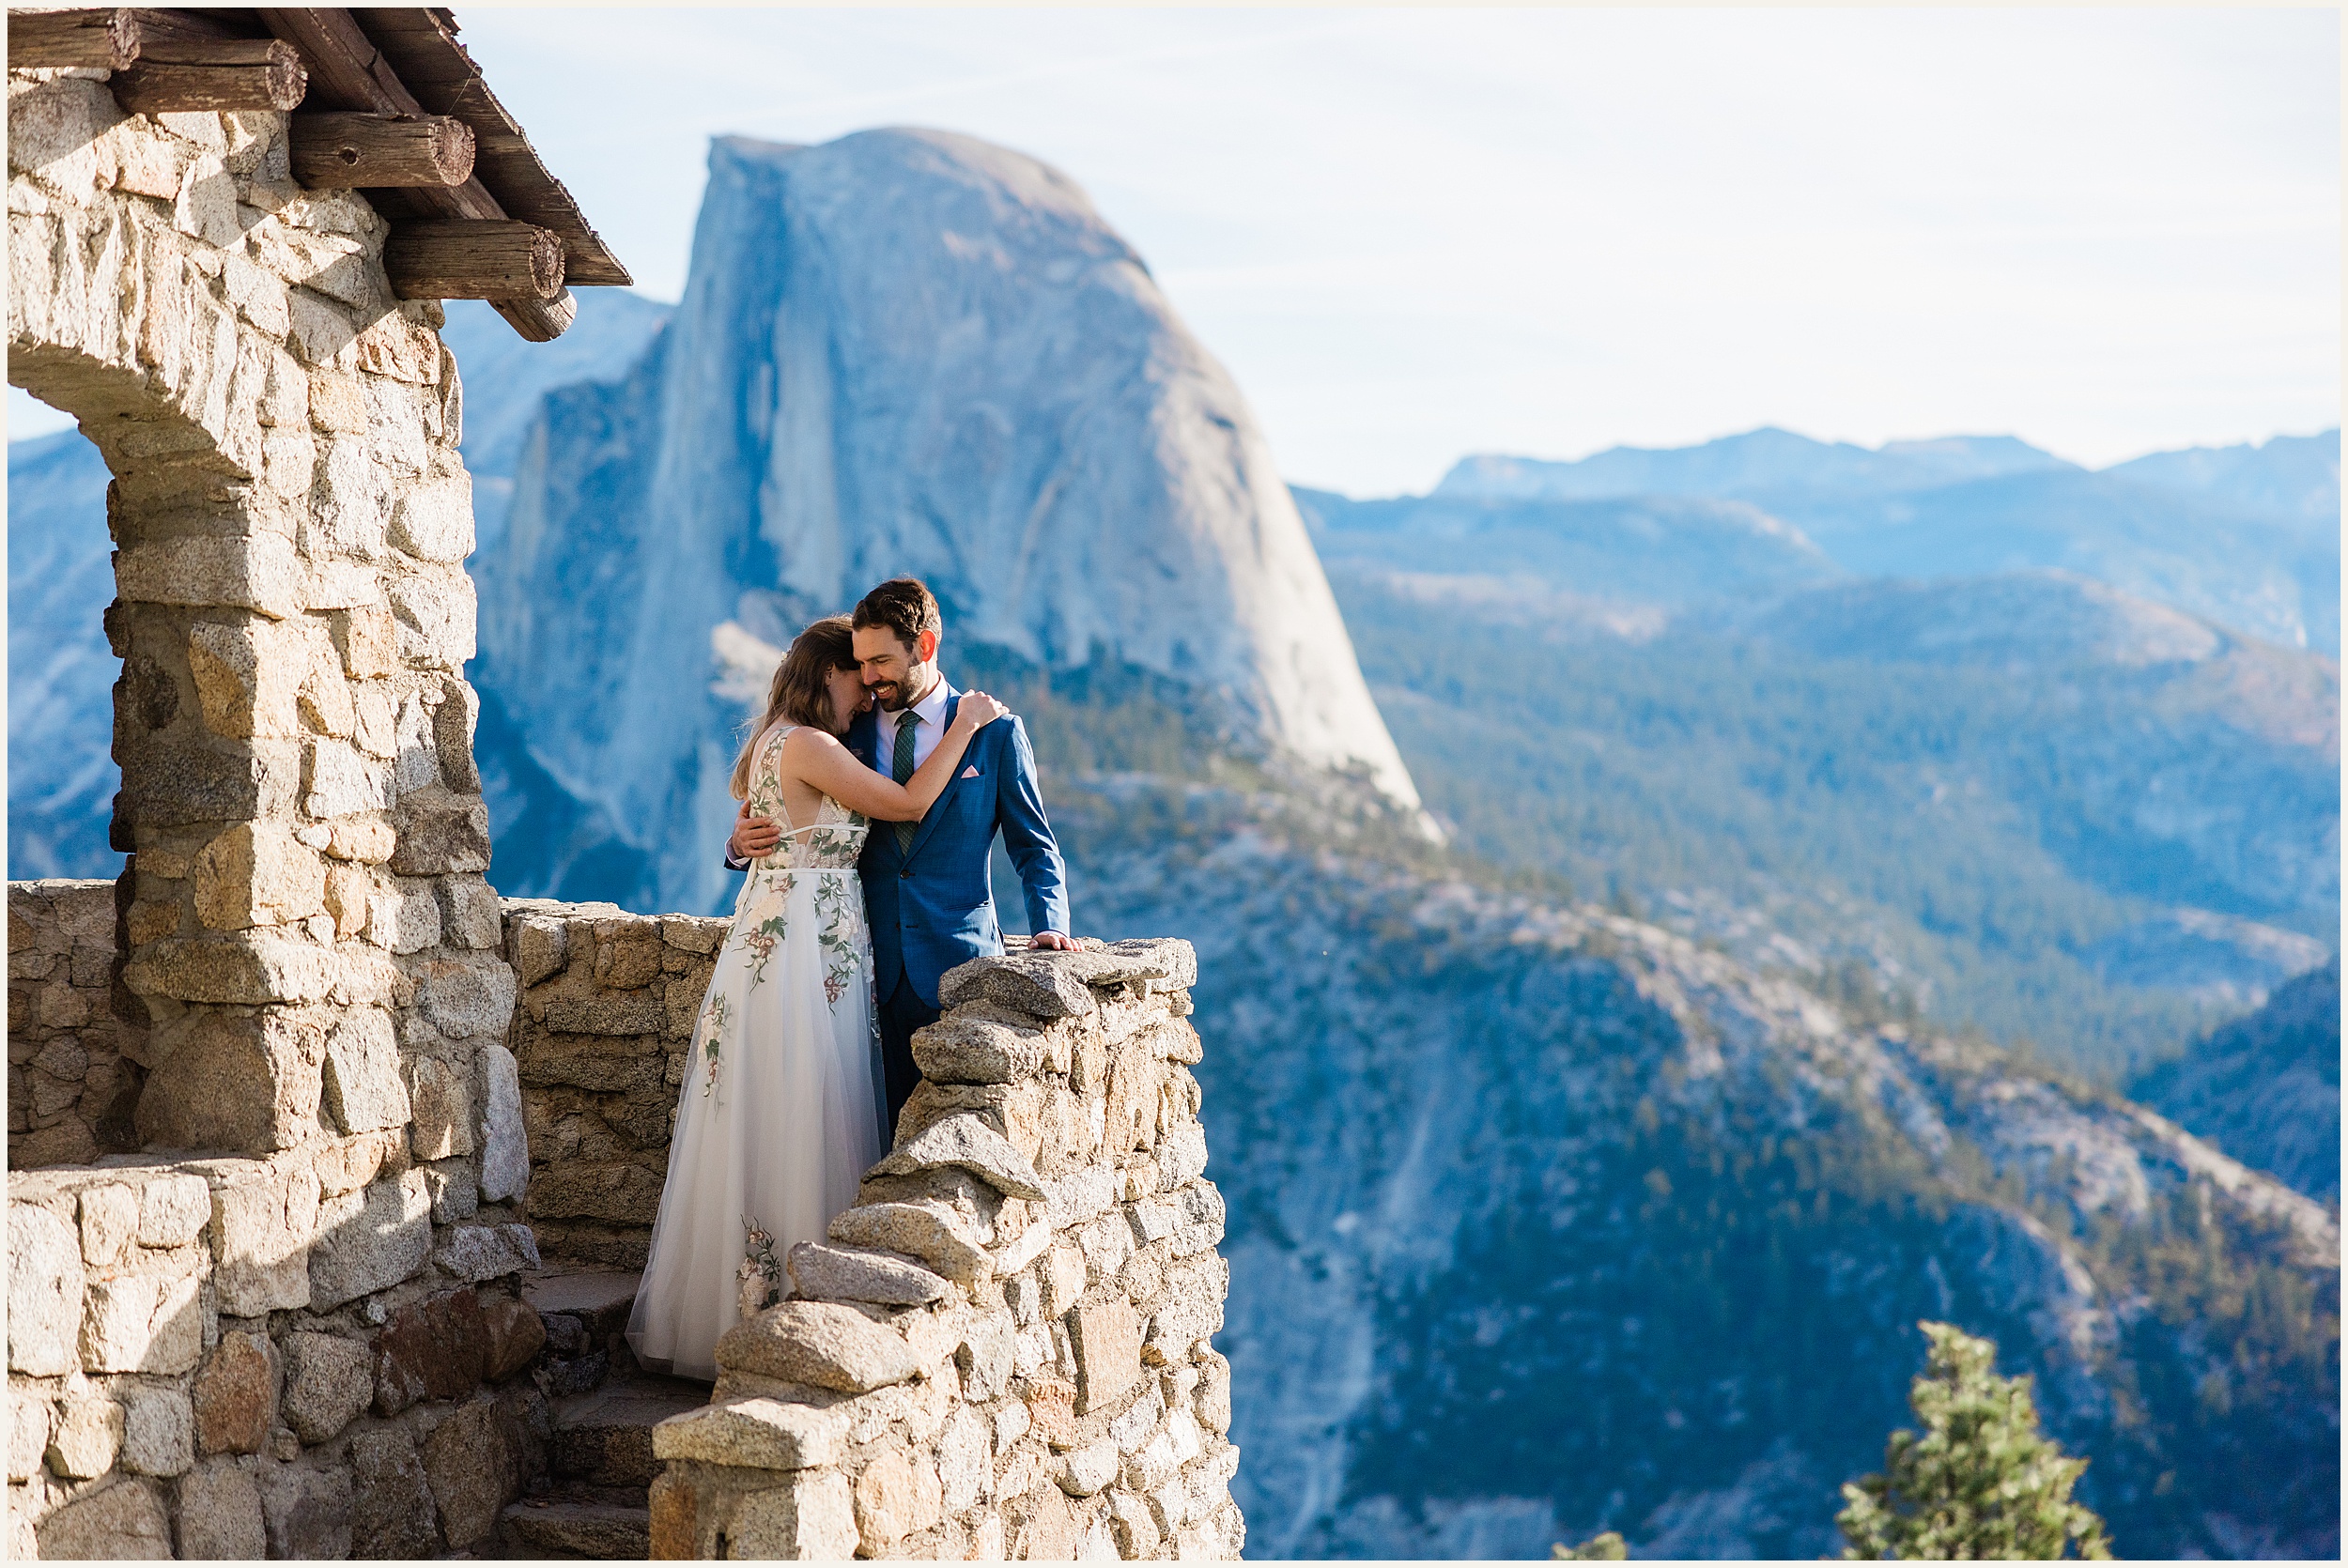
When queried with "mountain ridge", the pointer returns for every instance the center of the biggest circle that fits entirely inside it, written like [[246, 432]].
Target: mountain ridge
[[2265, 1087], [1742, 465], [2030, 803], [2247, 535]]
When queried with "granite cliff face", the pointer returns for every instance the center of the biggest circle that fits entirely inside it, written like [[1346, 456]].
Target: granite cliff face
[[905, 352], [61, 673]]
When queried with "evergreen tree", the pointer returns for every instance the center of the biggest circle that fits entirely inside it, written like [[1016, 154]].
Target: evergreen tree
[[1982, 1483]]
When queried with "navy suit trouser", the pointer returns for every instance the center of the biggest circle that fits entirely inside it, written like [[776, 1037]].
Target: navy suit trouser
[[901, 1014]]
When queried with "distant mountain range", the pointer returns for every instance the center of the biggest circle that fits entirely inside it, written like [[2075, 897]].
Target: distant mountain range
[[1589, 1170], [2034, 748], [1545, 1222], [2029, 803], [2246, 536], [1634, 551], [1763, 462]]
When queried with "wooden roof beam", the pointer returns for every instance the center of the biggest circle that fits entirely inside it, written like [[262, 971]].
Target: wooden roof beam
[[372, 134], [348, 72], [339, 151], [421, 43], [90, 40], [474, 260], [162, 62], [249, 73]]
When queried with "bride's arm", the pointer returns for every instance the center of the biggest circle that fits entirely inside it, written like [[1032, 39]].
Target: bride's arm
[[819, 760]]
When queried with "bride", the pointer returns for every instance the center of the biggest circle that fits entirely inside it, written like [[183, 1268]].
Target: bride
[[780, 1111]]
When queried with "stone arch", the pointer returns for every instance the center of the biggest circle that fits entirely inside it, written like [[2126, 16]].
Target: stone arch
[[307, 946]]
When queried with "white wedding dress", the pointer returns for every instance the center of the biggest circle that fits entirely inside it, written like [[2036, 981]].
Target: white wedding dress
[[780, 1111]]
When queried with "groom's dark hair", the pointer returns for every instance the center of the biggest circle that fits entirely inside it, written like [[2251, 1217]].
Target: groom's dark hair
[[905, 606]]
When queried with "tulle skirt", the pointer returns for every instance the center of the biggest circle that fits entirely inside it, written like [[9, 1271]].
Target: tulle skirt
[[779, 1117]]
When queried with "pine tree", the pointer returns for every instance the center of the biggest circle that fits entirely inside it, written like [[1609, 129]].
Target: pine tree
[[1982, 1483]]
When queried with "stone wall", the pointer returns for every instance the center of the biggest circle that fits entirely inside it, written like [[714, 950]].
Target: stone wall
[[1004, 1349], [233, 1357], [72, 1088], [606, 1015]]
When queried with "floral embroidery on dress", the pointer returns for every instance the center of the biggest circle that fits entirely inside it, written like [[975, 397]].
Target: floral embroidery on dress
[[759, 1276], [834, 846], [838, 937], [711, 1032], [763, 938]]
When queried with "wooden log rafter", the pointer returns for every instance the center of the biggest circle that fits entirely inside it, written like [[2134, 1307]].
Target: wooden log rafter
[[349, 151], [162, 62], [421, 44], [350, 74], [88, 39], [262, 81], [473, 258], [365, 131]]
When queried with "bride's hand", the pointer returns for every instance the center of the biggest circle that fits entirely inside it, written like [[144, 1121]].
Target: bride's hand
[[977, 710]]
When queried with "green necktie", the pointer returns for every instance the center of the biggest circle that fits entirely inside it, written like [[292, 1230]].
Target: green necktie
[[901, 767]]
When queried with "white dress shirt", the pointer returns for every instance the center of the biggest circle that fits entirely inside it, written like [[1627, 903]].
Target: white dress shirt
[[930, 716]]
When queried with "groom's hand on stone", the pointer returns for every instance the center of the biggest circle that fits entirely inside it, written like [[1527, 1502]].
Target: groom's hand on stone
[[1059, 941], [754, 838]]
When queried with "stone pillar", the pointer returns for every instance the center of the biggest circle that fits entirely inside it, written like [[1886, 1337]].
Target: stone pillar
[[307, 930], [1005, 1347]]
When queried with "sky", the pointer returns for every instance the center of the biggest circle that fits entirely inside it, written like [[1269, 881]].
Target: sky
[[1414, 234]]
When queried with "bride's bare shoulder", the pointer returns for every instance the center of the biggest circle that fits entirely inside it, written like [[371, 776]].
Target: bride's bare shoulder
[[807, 742]]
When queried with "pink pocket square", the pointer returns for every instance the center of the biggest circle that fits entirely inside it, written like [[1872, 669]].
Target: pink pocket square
[[971, 771]]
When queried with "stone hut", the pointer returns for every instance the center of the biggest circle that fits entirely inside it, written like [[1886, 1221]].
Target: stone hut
[[319, 1244]]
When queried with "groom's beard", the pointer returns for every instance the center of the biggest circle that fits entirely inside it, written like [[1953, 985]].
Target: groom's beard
[[890, 696]]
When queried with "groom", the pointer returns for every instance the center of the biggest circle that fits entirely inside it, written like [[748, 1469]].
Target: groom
[[926, 888]]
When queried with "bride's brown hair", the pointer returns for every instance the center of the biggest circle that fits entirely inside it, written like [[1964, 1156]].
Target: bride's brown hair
[[799, 691]]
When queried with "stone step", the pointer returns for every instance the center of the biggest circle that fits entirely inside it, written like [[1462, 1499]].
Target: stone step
[[602, 1531], [585, 1312], [603, 1437], [599, 1298]]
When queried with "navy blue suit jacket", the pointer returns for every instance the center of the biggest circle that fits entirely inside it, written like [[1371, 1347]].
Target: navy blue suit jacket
[[933, 907]]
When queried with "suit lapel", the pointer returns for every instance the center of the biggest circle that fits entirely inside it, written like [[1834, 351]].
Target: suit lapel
[[936, 812]]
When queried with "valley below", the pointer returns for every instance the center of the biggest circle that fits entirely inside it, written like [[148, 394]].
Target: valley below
[[1545, 1221]]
